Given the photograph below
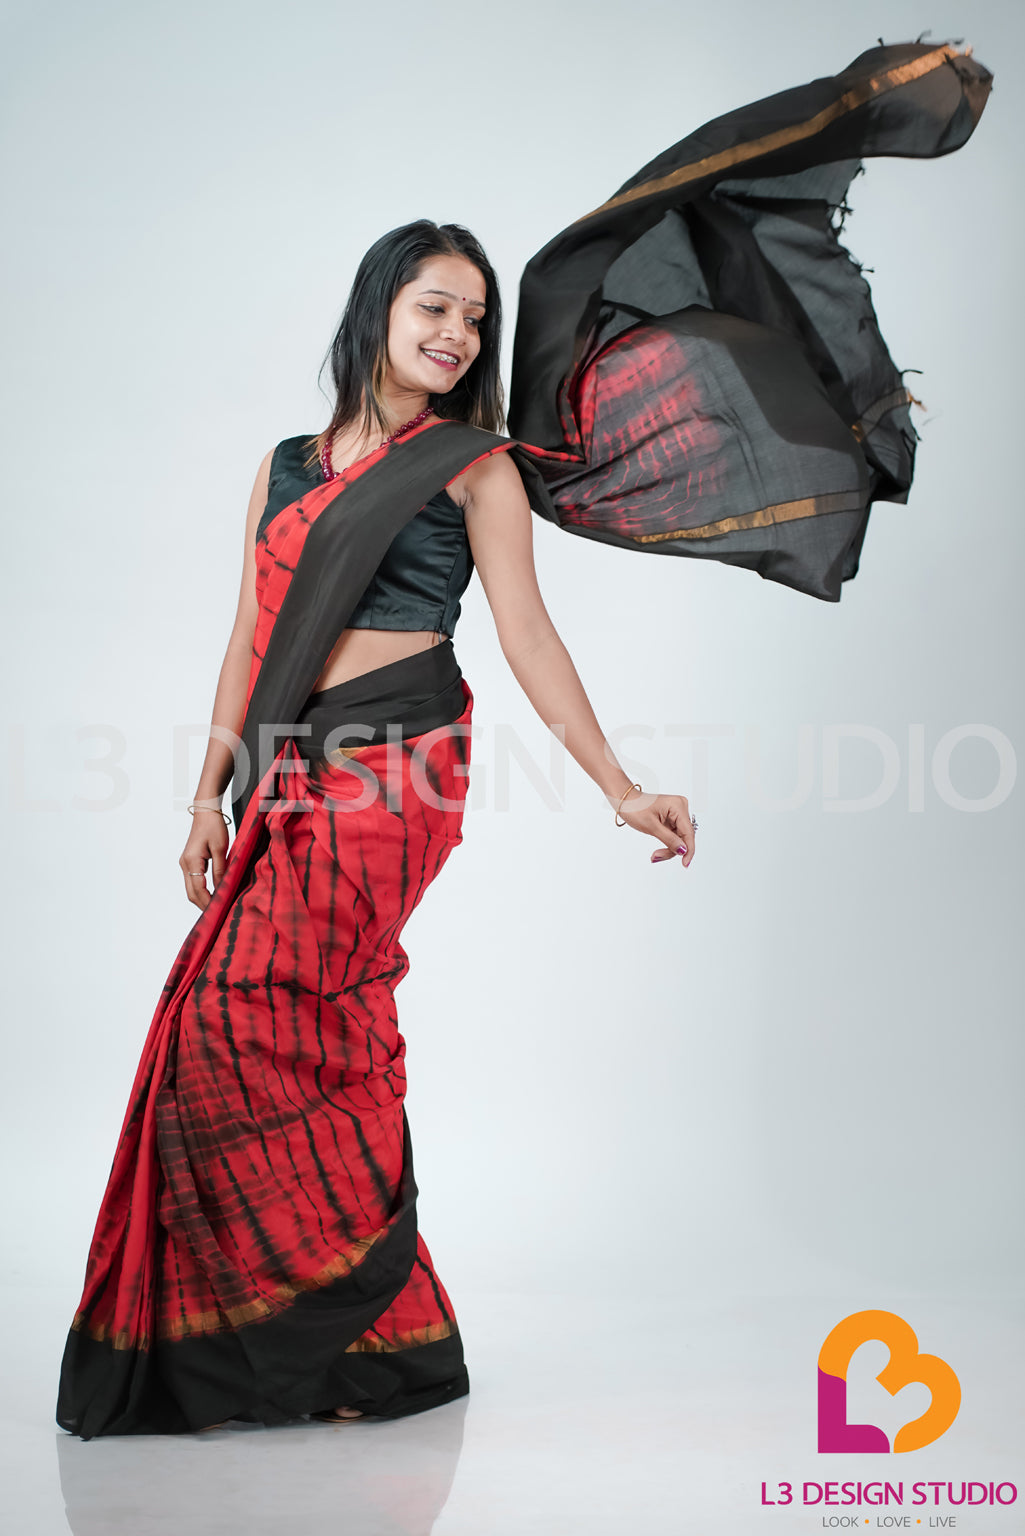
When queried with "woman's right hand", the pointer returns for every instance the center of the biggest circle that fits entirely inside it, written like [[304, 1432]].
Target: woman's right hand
[[207, 844]]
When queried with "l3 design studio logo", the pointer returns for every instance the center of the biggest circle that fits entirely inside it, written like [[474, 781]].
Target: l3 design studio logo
[[905, 1365], [941, 1499]]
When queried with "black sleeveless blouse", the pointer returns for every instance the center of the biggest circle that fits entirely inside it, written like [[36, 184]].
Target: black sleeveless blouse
[[427, 567]]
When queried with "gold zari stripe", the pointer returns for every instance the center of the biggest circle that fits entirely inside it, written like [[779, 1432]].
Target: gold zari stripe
[[876, 85], [425, 1335], [190, 1324], [782, 512]]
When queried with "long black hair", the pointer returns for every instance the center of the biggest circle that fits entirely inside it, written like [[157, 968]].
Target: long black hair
[[358, 355]]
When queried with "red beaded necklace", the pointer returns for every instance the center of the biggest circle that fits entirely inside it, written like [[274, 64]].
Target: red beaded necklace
[[325, 452]]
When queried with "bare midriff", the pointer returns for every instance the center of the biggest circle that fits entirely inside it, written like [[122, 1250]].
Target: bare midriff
[[358, 651]]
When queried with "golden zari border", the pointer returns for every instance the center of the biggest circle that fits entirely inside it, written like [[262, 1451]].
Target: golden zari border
[[763, 517], [876, 85], [425, 1335], [193, 1324]]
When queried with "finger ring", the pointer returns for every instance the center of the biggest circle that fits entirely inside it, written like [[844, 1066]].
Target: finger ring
[[694, 822], [199, 874]]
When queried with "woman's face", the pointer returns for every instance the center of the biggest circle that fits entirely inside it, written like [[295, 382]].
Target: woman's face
[[434, 326]]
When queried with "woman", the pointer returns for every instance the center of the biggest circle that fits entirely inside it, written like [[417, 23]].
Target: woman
[[257, 1254], [268, 1262]]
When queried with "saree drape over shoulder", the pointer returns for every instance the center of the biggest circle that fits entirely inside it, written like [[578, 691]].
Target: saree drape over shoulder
[[698, 371]]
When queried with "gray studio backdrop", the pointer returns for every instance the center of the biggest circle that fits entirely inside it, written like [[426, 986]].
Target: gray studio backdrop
[[791, 1068]]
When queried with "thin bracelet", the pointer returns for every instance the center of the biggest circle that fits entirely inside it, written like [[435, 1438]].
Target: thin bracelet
[[194, 807], [622, 797]]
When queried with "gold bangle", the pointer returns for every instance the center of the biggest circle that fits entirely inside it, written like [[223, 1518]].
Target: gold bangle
[[194, 807], [622, 797]]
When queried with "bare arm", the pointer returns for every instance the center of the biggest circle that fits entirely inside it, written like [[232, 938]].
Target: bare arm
[[499, 524], [208, 838]]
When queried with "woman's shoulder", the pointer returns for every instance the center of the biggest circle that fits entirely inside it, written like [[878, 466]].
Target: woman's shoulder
[[285, 475], [294, 456], [494, 472]]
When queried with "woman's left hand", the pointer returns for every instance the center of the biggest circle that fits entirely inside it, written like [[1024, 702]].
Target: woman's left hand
[[666, 817]]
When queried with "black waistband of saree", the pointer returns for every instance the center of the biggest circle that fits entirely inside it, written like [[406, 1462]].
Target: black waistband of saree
[[414, 694]]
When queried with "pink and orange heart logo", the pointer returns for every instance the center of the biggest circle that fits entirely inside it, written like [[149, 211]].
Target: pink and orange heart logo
[[905, 1365]]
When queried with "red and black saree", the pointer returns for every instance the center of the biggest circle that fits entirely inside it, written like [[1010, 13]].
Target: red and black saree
[[257, 1253], [698, 371]]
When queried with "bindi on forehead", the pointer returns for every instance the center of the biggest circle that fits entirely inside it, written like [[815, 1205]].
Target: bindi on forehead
[[444, 293]]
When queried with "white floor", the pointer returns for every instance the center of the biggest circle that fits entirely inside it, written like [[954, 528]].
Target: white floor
[[604, 1416]]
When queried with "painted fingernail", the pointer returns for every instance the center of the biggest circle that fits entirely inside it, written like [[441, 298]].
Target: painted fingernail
[[682, 850]]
